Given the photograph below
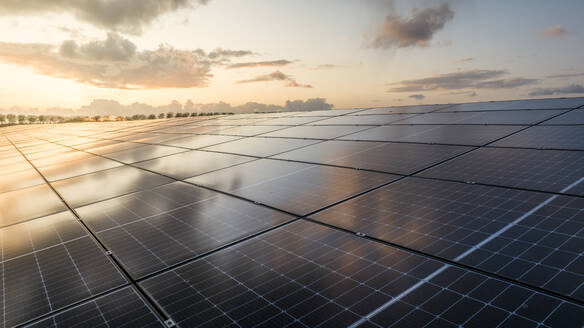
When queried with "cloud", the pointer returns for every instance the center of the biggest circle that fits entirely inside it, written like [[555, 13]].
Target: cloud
[[272, 63], [129, 16], [478, 79], [327, 66], [555, 31], [564, 75], [116, 63], [276, 76], [464, 60], [417, 96], [569, 89], [416, 31]]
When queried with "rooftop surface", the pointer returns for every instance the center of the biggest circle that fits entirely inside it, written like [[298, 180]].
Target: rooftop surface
[[420, 216]]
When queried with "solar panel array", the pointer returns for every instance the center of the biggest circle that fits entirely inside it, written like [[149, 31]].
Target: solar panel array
[[422, 216]]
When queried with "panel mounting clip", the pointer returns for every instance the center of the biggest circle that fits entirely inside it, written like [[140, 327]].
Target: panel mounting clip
[[470, 182], [170, 323], [108, 253], [361, 234]]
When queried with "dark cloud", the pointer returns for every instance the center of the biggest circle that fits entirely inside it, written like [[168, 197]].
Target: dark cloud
[[555, 31], [272, 63], [416, 31], [116, 63], [276, 76], [129, 16], [417, 96], [564, 75], [477, 79], [569, 89]]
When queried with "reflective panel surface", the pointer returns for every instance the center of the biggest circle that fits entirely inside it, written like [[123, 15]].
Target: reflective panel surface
[[315, 132], [17, 206], [400, 158], [502, 117], [442, 134], [188, 164], [295, 187], [545, 170], [546, 137], [261, 147], [314, 276], [110, 183]]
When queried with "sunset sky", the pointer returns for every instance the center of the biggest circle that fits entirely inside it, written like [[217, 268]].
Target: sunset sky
[[353, 53]]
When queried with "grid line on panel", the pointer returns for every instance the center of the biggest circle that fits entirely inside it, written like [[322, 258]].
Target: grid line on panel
[[159, 312]]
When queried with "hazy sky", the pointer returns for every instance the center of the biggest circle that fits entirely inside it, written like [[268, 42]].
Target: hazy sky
[[354, 53]]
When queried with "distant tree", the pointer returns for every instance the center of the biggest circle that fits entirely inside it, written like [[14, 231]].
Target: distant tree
[[32, 118], [97, 118], [11, 118], [58, 119], [21, 118], [135, 117], [151, 116], [193, 114], [169, 115], [161, 115], [42, 118], [2, 118]]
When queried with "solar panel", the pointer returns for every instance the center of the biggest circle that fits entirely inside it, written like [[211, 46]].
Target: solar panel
[[464, 215], [260, 147], [106, 184], [247, 131], [143, 153], [20, 179], [310, 275], [123, 308], [557, 103], [315, 132], [546, 137], [530, 237], [523, 117], [467, 135], [60, 266], [191, 163], [194, 142], [79, 167], [363, 119], [572, 117], [399, 158], [544, 170], [16, 206], [154, 242], [295, 187]]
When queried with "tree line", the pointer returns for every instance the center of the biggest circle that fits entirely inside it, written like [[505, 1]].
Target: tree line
[[12, 119]]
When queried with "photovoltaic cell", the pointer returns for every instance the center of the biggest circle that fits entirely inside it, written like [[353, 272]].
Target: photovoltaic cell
[[308, 275], [15, 206], [247, 131], [363, 119], [101, 185], [470, 135], [545, 170], [557, 103], [188, 164], [261, 147], [143, 153], [194, 142], [546, 137], [21, 179], [58, 274], [295, 187], [402, 109], [399, 158], [315, 132], [291, 120], [75, 168], [123, 308], [155, 242], [523, 117], [573, 117]]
